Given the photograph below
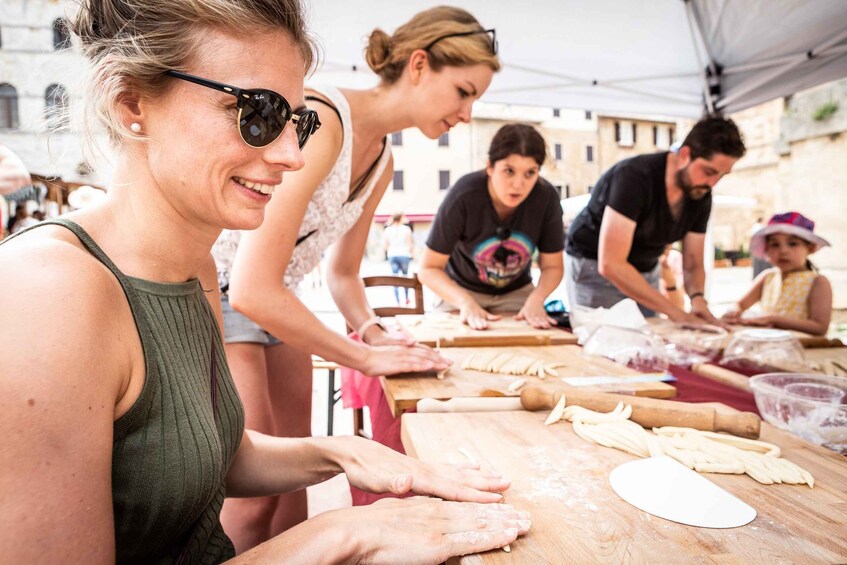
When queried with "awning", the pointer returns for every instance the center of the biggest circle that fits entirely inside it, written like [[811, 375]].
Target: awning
[[667, 57]]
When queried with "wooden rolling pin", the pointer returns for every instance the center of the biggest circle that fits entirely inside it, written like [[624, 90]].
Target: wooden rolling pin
[[723, 376], [648, 412]]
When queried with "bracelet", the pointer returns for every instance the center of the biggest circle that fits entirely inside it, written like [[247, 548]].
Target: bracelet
[[670, 288], [374, 321], [696, 294]]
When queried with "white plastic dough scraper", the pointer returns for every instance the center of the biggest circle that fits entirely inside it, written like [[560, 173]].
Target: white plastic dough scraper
[[663, 487]]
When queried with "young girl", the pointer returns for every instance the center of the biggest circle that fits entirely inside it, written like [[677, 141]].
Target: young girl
[[480, 249], [792, 294]]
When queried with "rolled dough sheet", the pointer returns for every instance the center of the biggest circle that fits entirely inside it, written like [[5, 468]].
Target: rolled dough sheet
[[665, 488]]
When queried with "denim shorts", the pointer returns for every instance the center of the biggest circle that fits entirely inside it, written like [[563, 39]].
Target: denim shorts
[[238, 328]]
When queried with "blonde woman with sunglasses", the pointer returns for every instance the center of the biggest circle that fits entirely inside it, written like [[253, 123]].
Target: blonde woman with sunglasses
[[432, 69], [122, 428]]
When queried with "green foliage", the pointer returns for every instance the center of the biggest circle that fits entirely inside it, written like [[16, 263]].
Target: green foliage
[[825, 111], [719, 254]]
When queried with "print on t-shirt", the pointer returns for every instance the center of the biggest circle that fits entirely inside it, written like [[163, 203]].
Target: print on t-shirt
[[500, 261]]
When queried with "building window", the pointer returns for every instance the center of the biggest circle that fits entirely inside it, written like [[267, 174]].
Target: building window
[[444, 140], [56, 105], [589, 153], [61, 37], [558, 151], [443, 180], [661, 136], [588, 114], [398, 181], [671, 136], [8, 107], [589, 188], [656, 135], [625, 133], [397, 139], [557, 112], [567, 191], [634, 132]]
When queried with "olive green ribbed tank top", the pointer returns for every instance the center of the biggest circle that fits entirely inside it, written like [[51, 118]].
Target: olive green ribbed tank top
[[173, 448]]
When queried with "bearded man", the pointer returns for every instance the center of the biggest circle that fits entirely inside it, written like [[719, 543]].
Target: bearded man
[[638, 207]]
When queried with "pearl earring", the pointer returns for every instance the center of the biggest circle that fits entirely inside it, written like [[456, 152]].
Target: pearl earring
[[135, 127]]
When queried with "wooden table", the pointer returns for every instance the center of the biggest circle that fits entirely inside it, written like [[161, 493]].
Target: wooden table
[[563, 482], [830, 360], [446, 330], [403, 392]]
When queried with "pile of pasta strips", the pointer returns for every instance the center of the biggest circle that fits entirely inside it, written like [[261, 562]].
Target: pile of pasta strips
[[510, 364], [706, 452]]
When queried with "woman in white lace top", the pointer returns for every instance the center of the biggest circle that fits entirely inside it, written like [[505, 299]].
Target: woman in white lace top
[[432, 69]]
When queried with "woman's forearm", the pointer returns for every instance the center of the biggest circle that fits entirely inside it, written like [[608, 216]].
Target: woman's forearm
[[441, 284], [267, 465], [278, 311], [548, 281], [324, 539], [813, 327]]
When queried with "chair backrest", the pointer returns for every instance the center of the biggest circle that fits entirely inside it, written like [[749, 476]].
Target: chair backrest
[[411, 282]]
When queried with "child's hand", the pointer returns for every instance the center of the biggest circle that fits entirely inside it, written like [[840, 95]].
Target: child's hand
[[732, 316], [759, 321]]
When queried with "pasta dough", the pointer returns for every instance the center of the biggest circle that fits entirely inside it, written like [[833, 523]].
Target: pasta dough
[[705, 452], [494, 361]]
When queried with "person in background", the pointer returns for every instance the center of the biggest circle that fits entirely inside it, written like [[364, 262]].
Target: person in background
[[431, 71], [639, 206], [479, 251], [671, 282], [122, 449], [399, 248], [13, 173], [22, 219], [792, 294]]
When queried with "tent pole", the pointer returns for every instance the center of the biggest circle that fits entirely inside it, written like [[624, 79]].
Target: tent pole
[[696, 32], [752, 85]]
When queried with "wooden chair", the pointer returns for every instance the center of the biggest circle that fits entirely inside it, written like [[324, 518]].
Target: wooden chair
[[334, 394]]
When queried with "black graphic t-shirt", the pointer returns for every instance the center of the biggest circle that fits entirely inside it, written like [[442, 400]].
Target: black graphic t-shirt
[[635, 187], [489, 255]]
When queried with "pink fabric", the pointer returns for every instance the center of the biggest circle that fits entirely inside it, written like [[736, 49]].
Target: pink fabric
[[359, 391]]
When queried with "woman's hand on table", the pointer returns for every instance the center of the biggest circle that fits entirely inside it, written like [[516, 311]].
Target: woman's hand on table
[[535, 315], [428, 530], [394, 359], [475, 316], [372, 467]]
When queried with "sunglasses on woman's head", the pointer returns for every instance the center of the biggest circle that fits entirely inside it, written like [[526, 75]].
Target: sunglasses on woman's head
[[262, 114], [492, 31]]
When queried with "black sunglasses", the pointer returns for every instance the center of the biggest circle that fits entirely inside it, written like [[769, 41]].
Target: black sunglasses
[[492, 31], [262, 114]]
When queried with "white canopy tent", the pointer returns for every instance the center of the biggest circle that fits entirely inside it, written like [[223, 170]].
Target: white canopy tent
[[637, 56]]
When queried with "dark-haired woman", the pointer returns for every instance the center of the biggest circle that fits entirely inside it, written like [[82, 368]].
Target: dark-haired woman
[[488, 228]]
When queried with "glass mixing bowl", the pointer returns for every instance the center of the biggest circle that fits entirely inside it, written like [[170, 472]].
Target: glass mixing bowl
[[765, 348], [686, 344], [813, 407], [639, 350]]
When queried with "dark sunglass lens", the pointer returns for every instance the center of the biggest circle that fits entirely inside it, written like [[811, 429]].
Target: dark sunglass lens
[[263, 117], [306, 126]]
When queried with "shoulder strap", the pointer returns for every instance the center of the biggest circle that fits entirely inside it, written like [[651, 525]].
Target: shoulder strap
[[363, 180], [326, 103]]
